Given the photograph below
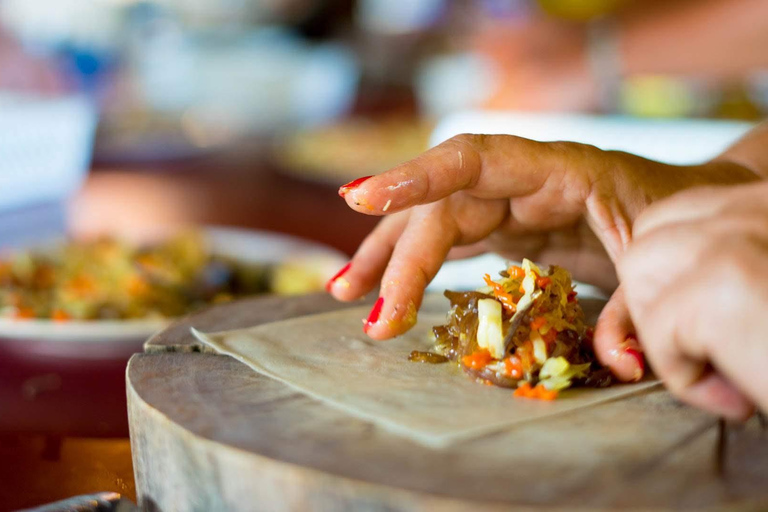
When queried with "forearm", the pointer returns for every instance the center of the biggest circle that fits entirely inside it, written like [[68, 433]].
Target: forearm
[[707, 38], [750, 152]]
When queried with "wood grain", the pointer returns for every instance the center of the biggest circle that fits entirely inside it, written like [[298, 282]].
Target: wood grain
[[209, 434]]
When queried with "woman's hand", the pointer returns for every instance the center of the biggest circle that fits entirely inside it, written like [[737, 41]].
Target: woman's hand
[[555, 202], [696, 284]]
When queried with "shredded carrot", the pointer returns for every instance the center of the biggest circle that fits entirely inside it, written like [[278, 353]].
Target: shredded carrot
[[59, 315], [543, 282], [506, 298], [137, 286], [25, 313], [514, 272], [537, 393], [538, 322], [549, 337], [542, 393], [513, 367], [478, 360], [523, 391], [82, 285]]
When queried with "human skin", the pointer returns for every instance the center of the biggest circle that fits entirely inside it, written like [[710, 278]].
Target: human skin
[[702, 320], [563, 203]]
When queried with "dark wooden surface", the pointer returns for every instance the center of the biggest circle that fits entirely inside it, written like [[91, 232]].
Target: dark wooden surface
[[208, 432]]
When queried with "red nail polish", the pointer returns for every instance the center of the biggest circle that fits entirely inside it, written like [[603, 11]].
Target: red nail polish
[[352, 185], [373, 317], [338, 275], [639, 359]]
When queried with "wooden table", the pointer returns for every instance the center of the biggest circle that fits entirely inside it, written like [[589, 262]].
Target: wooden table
[[208, 433]]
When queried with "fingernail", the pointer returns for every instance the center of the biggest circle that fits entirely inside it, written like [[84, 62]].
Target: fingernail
[[632, 349], [338, 275], [344, 189], [373, 317]]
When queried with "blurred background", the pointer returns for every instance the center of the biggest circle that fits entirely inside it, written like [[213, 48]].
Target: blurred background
[[131, 118], [328, 90]]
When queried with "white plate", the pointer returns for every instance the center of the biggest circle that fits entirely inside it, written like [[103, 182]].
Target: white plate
[[93, 339]]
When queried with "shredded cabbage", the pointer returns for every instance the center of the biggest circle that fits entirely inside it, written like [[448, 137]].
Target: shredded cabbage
[[557, 373], [489, 334]]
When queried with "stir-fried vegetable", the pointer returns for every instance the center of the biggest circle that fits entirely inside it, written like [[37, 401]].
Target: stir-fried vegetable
[[525, 331], [108, 279]]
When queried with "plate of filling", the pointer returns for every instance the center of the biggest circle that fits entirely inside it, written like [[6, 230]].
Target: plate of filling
[[106, 291], [518, 348]]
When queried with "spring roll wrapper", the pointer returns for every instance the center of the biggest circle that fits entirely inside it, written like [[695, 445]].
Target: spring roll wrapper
[[329, 358]]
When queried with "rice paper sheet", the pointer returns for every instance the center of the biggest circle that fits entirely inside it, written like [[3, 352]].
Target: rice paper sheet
[[328, 357]]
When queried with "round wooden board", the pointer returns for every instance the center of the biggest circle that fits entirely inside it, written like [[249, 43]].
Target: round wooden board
[[208, 433]]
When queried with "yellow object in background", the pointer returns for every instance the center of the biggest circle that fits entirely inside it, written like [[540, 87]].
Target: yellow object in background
[[657, 96], [580, 10]]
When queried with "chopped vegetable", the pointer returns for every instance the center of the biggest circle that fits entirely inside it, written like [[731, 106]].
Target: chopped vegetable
[[489, 327], [535, 342], [513, 367], [557, 372], [107, 279], [506, 299], [538, 322], [59, 315], [478, 360], [538, 392]]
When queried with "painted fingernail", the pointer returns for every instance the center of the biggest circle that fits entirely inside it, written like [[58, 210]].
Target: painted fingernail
[[340, 273], [344, 189], [632, 349], [373, 317]]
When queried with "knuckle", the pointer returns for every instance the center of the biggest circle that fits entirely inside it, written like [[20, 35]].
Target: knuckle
[[475, 140], [565, 146]]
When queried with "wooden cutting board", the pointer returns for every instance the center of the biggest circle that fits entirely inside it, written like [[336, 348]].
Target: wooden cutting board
[[208, 433]]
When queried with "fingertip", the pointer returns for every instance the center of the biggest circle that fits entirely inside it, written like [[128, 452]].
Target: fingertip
[[390, 317], [341, 290], [390, 192], [622, 354], [340, 287], [352, 185], [615, 343], [338, 276]]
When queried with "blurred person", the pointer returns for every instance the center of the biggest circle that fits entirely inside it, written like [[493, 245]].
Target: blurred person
[[559, 61], [692, 262]]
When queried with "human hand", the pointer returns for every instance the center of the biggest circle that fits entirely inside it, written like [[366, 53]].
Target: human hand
[[555, 202], [696, 285]]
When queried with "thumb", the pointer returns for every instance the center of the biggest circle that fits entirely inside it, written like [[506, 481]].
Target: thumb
[[615, 342]]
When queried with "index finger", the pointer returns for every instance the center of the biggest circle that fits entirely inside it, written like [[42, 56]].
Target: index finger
[[488, 166]]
